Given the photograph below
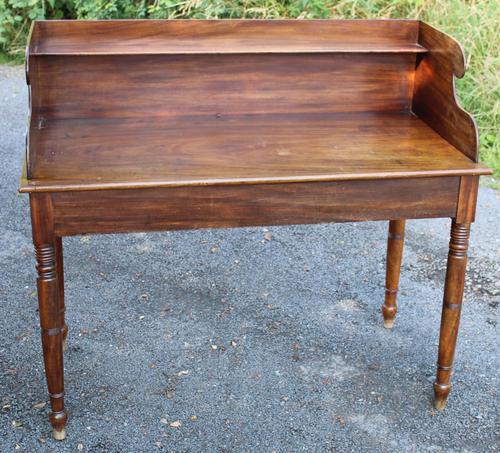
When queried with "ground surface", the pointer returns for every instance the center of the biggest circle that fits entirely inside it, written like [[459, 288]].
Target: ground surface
[[244, 340]]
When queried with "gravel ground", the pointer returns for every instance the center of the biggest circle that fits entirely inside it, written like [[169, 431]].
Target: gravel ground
[[245, 340]]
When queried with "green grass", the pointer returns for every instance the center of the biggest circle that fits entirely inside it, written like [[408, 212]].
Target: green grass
[[474, 23], [6, 59]]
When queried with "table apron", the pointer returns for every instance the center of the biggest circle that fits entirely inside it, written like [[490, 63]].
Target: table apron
[[209, 206]]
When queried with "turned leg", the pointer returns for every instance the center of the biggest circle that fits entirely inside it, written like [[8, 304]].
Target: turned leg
[[452, 304], [394, 254], [51, 311], [60, 280]]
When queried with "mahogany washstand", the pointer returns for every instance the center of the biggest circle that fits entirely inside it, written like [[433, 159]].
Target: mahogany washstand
[[163, 125]]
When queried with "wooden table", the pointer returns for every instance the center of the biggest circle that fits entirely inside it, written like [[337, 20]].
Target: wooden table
[[164, 125]]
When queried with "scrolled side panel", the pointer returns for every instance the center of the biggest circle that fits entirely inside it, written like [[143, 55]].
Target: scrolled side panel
[[434, 97]]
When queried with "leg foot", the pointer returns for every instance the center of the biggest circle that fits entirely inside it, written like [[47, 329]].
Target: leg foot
[[58, 420], [440, 404], [441, 392], [452, 305], [388, 323], [394, 255], [59, 434]]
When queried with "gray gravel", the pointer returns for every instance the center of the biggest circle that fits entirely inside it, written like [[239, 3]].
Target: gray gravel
[[253, 339]]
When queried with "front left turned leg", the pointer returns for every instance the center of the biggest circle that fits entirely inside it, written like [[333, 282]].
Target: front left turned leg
[[52, 325], [452, 305], [51, 311]]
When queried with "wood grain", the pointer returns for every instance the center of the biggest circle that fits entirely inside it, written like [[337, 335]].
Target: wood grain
[[434, 98], [261, 204], [223, 36], [452, 307], [58, 248], [167, 86], [51, 307], [467, 199], [83, 154]]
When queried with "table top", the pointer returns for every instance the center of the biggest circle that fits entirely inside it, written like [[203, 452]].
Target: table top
[[82, 154]]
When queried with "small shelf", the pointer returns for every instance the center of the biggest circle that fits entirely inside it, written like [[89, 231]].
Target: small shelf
[[190, 37], [137, 49]]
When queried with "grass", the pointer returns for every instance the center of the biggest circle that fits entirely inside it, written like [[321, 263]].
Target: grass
[[474, 23], [6, 59]]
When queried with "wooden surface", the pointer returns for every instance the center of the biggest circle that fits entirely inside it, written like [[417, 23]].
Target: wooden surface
[[144, 86], [258, 204], [452, 306], [434, 99], [79, 154], [51, 306], [223, 36]]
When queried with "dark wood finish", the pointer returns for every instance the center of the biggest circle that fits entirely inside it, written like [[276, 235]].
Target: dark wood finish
[[434, 99], [126, 37], [58, 249], [395, 242], [50, 309], [177, 85], [164, 125], [452, 306], [237, 206], [454, 287], [467, 196], [70, 154]]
